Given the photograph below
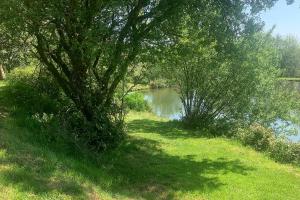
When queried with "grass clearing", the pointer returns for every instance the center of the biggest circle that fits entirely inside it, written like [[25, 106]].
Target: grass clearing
[[158, 160]]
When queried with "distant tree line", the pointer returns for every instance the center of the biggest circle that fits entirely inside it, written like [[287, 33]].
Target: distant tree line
[[289, 54]]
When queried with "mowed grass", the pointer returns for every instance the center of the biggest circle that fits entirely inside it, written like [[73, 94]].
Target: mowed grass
[[158, 160], [297, 79]]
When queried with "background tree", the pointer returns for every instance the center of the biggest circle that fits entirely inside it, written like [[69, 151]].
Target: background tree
[[228, 77], [14, 48], [289, 49]]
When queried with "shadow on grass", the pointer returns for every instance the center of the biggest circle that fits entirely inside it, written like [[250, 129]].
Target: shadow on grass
[[33, 172], [152, 174], [169, 129], [136, 169]]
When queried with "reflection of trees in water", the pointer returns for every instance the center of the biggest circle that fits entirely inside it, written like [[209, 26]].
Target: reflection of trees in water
[[164, 102], [167, 103], [292, 85]]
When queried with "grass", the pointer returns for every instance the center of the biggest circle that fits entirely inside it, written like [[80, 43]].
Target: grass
[[290, 78], [158, 160]]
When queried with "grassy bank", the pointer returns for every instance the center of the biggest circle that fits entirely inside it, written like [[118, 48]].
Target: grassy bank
[[158, 160]]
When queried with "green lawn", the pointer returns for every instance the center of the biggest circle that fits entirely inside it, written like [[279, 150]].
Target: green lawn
[[158, 160], [290, 78]]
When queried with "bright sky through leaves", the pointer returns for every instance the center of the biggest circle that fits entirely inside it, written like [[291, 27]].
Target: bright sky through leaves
[[285, 17]]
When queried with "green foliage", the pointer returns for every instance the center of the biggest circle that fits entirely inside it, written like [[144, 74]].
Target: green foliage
[[232, 81], [289, 51], [135, 101], [38, 104], [285, 151], [263, 139], [34, 100], [146, 165], [215, 84], [89, 52], [31, 91], [275, 100], [159, 83], [14, 48], [256, 136]]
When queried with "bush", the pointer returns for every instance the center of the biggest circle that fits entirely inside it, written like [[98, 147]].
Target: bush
[[86, 134], [32, 92], [285, 151], [135, 101], [38, 103], [263, 139], [256, 136], [159, 83], [33, 100]]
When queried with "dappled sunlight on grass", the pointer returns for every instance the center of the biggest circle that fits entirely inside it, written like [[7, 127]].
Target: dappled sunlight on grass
[[143, 165], [33, 173], [158, 160]]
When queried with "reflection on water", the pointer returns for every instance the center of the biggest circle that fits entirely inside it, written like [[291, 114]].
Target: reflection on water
[[293, 85], [166, 103]]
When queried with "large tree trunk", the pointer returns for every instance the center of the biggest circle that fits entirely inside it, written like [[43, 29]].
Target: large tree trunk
[[2, 73]]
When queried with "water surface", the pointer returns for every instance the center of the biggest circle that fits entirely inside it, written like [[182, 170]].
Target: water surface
[[166, 103]]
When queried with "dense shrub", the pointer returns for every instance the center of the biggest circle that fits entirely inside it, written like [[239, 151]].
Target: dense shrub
[[38, 104], [263, 139], [159, 83], [135, 101], [34, 100], [32, 91], [285, 151], [256, 136], [86, 134]]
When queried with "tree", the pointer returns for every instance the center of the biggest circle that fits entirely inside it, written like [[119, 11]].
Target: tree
[[289, 49], [228, 77], [89, 45], [14, 48]]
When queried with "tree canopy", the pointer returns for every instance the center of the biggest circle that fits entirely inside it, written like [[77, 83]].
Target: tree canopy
[[289, 49], [89, 46]]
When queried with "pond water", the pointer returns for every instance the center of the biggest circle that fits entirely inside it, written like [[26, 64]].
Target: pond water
[[166, 103]]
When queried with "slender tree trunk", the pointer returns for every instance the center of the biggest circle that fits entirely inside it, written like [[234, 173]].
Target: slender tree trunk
[[2, 73]]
